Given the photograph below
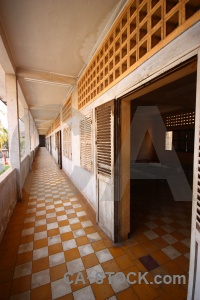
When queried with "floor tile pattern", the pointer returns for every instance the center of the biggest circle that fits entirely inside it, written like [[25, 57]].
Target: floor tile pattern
[[53, 231]]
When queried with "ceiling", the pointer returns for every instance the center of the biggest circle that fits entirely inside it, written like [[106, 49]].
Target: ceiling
[[50, 43]]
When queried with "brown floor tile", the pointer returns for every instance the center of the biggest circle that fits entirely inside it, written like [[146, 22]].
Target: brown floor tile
[[160, 257], [124, 262], [66, 236], [53, 249], [110, 266], [140, 237], [181, 247], [174, 292], [27, 239], [149, 246], [79, 281], [83, 218], [172, 268], [63, 223], [90, 260], [116, 251], [21, 285], [182, 262], [38, 218], [50, 211], [29, 225], [145, 291], [40, 228], [159, 231], [66, 297], [72, 254], [102, 291], [127, 294], [23, 258], [138, 251], [42, 292], [53, 232], [76, 226], [98, 245], [40, 243], [160, 243], [178, 235], [40, 264], [82, 240], [58, 272], [62, 213], [51, 220], [71, 216], [90, 229]]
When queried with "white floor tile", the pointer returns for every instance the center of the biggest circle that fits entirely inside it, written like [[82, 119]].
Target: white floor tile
[[171, 252], [40, 253], [23, 270], [85, 249], [40, 278], [104, 255], [94, 273], [75, 266], [69, 244], [25, 247], [55, 239], [93, 237], [40, 235], [60, 288], [119, 282], [83, 294], [56, 259]]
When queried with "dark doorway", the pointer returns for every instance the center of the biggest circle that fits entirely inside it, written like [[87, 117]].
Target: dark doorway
[[42, 140]]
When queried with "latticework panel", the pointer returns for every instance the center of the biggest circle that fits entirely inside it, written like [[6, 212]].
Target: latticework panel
[[57, 122], [139, 32], [67, 110], [86, 142]]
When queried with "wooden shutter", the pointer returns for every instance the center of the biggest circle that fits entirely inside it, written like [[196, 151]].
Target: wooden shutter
[[86, 142], [103, 140], [67, 143]]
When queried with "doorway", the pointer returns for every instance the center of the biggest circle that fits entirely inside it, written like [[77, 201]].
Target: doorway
[[159, 225]]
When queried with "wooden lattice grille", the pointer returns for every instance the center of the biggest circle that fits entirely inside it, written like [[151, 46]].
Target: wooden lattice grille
[[104, 140], [142, 26], [86, 142], [67, 142], [182, 119], [67, 110], [57, 122]]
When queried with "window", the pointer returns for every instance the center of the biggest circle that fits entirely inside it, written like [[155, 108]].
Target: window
[[168, 140], [67, 144], [183, 140], [86, 142]]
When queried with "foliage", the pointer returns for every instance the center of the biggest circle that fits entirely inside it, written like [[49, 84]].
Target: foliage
[[3, 135]]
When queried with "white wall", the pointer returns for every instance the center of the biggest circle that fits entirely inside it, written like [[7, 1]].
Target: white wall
[[8, 197]]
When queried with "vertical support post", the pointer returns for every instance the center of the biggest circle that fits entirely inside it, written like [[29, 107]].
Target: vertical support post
[[28, 136], [13, 128], [125, 171]]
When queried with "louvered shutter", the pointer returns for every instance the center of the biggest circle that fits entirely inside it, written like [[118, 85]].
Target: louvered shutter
[[103, 140], [86, 142], [104, 168]]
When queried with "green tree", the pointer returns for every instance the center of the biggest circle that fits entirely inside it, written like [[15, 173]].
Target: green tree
[[3, 135]]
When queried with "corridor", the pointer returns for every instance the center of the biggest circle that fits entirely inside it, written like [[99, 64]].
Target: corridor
[[53, 231]]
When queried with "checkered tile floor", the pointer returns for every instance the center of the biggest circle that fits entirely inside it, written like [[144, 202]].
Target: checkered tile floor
[[53, 231]]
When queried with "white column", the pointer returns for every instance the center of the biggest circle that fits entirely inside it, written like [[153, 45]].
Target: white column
[[27, 131], [13, 128]]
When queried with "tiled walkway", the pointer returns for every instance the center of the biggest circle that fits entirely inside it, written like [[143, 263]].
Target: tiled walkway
[[53, 231]]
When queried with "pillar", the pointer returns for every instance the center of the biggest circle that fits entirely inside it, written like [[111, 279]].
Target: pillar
[[13, 128]]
